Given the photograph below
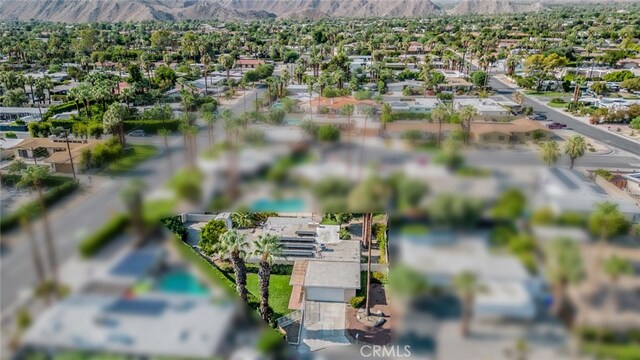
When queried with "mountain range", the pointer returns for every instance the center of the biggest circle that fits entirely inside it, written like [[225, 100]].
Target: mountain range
[[79, 11]]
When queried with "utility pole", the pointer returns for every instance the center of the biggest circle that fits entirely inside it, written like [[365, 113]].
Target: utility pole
[[73, 169]]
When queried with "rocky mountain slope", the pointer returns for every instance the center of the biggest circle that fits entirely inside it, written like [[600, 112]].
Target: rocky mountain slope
[[73, 11], [495, 7]]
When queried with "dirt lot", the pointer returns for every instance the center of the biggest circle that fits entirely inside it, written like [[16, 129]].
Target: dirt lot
[[367, 333]]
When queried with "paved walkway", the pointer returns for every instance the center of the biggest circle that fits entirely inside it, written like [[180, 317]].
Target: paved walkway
[[324, 326]]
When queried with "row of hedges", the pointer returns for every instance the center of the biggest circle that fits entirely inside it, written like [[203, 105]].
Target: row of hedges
[[152, 126], [175, 225], [49, 181], [99, 239], [276, 269], [32, 209], [58, 109]]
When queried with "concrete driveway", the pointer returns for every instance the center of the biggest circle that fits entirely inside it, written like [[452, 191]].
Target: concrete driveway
[[324, 326]]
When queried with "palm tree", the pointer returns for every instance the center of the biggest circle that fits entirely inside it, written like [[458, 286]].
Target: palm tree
[[606, 221], [33, 177], [367, 113], [234, 244], [35, 252], [113, 121], [575, 147], [549, 152], [165, 135], [348, 111], [616, 267], [438, 114], [467, 113], [366, 237], [467, 286], [563, 264], [267, 247], [227, 61], [206, 61], [209, 116], [131, 195], [518, 98]]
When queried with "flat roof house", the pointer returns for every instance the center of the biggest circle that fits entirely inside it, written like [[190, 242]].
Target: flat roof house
[[569, 190], [486, 107], [248, 63], [55, 151]]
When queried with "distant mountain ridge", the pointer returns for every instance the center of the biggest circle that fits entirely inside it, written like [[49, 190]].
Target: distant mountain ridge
[[487, 7], [80, 11]]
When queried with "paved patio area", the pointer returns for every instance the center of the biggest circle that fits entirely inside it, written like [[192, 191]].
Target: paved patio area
[[324, 326]]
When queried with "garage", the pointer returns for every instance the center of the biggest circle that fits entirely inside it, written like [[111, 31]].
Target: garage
[[325, 294], [331, 281]]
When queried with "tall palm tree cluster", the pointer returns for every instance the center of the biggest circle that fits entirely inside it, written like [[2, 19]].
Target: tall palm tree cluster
[[234, 246]]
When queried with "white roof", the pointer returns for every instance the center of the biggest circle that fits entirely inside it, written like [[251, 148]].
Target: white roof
[[9, 143], [333, 274], [160, 325], [446, 259], [504, 299]]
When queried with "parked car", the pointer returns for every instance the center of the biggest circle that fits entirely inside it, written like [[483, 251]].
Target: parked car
[[538, 117], [137, 133], [556, 125]]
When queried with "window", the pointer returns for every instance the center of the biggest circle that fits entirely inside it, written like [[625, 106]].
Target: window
[[23, 153], [501, 138]]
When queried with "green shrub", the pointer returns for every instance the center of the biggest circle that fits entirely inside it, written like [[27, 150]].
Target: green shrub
[[175, 225], [210, 234], [96, 241], [357, 301], [379, 277], [10, 135], [345, 234], [57, 109], [558, 101], [605, 174], [152, 126]]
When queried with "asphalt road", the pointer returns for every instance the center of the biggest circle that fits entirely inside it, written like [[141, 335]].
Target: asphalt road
[[587, 130], [17, 272]]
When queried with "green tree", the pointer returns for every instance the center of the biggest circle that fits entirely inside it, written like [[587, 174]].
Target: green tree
[[234, 245], [467, 113], [113, 121], [227, 61], [131, 195], [479, 78], [607, 221], [328, 133], [549, 152], [34, 177], [467, 286], [575, 147], [510, 205], [563, 266], [267, 248], [210, 235], [438, 114]]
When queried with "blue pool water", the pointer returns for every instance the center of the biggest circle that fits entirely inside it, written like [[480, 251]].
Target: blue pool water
[[284, 205], [181, 282]]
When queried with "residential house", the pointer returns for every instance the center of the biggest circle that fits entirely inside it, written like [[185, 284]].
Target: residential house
[[516, 131], [419, 105], [57, 153], [334, 105], [565, 190], [484, 107], [248, 63]]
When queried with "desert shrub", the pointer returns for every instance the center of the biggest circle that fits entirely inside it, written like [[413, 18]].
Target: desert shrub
[[357, 301]]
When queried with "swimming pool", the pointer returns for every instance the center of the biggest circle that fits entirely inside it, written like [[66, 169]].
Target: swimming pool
[[283, 205], [181, 282]]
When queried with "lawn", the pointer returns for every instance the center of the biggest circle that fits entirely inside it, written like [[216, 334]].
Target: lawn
[[547, 93], [131, 158], [557, 105], [157, 209], [614, 351], [279, 292]]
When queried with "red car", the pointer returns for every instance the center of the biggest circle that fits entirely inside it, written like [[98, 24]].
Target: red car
[[556, 125]]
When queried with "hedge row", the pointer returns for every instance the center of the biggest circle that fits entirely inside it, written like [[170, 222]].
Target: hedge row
[[152, 126], [99, 239], [276, 269], [49, 181], [32, 209], [57, 109]]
